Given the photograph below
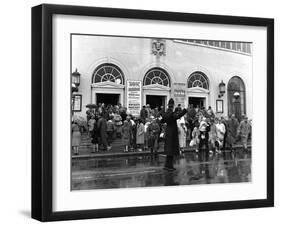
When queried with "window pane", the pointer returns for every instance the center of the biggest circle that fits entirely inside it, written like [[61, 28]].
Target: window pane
[[227, 45], [107, 72], [234, 46], [156, 76]]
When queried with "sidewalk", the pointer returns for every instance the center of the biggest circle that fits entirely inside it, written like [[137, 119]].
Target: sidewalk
[[86, 148]]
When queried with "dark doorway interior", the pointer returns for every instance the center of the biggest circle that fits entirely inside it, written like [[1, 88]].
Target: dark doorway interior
[[197, 101], [155, 101], [107, 99]]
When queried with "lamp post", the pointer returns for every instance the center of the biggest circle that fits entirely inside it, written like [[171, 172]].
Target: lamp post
[[75, 82], [75, 77], [237, 107], [221, 89], [236, 95]]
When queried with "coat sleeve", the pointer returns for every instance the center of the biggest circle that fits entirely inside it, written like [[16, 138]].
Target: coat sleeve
[[178, 115], [141, 130]]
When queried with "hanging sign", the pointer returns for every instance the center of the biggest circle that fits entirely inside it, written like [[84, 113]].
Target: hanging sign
[[134, 97], [178, 91]]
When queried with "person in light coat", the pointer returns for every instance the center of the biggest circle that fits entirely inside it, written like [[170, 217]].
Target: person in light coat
[[220, 129], [76, 137], [140, 135], [182, 135]]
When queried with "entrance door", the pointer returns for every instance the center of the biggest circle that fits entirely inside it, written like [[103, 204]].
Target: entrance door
[[155, 101], [107, 99], [197, 101]]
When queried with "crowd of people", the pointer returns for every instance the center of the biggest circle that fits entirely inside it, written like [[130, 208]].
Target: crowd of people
[[196, 127]]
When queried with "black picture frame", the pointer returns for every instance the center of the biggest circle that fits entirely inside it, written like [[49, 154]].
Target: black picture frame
[[42, 107], [219, 103], [76, 97]]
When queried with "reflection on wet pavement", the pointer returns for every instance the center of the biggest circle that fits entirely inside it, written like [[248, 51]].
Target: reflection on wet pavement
[[147, 171]]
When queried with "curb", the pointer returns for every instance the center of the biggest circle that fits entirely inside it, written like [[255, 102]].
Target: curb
[[135, 153]]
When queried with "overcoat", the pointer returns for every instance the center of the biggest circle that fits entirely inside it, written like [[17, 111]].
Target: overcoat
[[126, 135], [102, 127], [232, 130], [171, 142], [140, 134]]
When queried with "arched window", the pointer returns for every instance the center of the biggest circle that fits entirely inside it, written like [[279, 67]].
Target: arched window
[[108, 73], [236, 97], [198, 79], [157, 76]]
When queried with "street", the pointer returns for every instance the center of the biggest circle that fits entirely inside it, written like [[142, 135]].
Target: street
[[147, 171]]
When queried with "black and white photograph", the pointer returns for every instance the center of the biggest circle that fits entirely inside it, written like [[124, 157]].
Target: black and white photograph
[[152, 112]]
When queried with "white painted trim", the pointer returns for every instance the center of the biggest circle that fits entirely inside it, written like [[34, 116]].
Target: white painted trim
[[156, 87], [106, 90], [107, 84]]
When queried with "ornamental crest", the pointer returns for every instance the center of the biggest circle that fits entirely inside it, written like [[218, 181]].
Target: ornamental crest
[[158, 47]]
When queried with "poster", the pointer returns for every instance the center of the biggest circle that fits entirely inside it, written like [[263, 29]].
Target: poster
[[76, 102], [134, 97], [219, 106], [179, 93]]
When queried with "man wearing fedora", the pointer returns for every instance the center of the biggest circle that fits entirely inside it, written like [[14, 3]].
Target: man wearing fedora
[[171, 145]]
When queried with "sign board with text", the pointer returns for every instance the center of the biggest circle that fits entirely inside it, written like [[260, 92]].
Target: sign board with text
[[179, 93], [134, 94]]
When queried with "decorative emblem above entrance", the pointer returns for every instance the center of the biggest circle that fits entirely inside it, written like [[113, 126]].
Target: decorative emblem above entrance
[[158, 47]]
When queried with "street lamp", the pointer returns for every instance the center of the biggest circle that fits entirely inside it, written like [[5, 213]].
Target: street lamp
[[236, 95], [237, 106], [221, 89], [75, 76]]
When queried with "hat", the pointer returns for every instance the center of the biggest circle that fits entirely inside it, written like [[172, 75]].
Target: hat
[[202, 126], [171, 102]]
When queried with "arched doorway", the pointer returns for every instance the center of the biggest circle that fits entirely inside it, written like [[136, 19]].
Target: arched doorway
[[156, 87], [236, 97], [198, 89], [108, 85]]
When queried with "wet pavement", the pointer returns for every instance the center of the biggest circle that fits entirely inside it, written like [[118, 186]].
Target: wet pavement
[[147, 171]]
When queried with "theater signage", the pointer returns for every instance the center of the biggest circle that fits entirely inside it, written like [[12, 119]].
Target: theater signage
[[134, 96]]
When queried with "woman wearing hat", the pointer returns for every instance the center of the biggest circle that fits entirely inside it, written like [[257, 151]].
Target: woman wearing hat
[[171, 145], [76, 137]]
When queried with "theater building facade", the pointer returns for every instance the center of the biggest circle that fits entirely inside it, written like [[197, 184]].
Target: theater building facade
[[140, 71]]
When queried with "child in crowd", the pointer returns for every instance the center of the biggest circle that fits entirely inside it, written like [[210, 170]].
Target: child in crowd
[[195, 137]]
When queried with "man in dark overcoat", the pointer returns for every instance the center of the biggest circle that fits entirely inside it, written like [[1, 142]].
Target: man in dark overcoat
[[171, 145], [102, 128]]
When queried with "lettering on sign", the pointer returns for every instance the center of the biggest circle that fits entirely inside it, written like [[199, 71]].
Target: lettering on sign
[[134, 93]]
